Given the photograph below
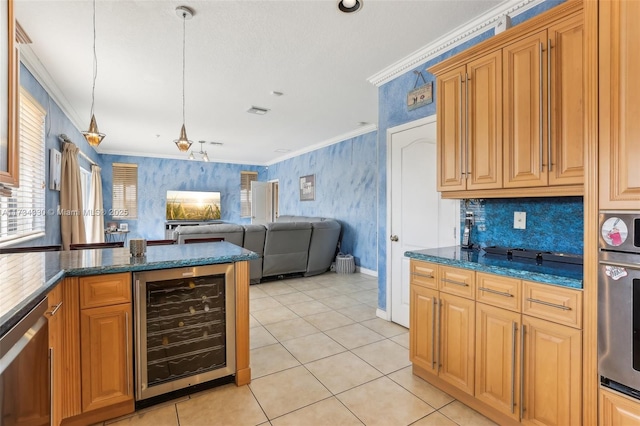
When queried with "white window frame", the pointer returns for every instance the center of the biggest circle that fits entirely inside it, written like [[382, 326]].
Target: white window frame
[[22, 216]]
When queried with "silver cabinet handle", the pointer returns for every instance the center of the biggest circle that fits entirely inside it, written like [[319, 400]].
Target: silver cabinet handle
[[541, 113], [467, 169], [460, 283], [462, 171], [438, 305], [415, 274], [522, 333], [553, 305], [500, 293], [54, 310], [126, 326], [513, 365], [549, 137], [433, 334]]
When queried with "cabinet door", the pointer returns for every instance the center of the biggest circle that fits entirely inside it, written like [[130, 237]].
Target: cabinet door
[[619, 67], [552, 373], [457, 341], [106, 356], [451, 147], [617, 409], [497, 358], [422, 328], [524, 76], [54, 314], [565, 115], [484, 122]]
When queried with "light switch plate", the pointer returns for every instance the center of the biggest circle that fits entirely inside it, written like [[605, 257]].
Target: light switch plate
[[519, 220]]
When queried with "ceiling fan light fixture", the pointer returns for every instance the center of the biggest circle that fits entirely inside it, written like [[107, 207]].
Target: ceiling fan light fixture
[[350, 6], [93, 135]]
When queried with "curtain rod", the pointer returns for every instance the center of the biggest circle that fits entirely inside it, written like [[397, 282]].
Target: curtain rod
[[65, 139]]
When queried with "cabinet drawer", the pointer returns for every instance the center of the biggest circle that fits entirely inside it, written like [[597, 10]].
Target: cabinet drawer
[[104, 290], [552, 303], [423, 274], [496, 290], [457, 281]]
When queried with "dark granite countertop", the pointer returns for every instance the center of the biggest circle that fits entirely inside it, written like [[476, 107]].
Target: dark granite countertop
[[26, 278], [556, 273]]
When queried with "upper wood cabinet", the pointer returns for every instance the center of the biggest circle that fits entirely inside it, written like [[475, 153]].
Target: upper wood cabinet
[[619, 126], [9, 147], [469, 104], [543, 93], [510, 112]]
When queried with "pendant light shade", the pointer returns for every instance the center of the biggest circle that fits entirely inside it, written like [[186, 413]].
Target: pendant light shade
[[183, 143], [93, 135]]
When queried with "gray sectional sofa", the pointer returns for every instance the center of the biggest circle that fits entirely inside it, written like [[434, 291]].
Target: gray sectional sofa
[[292, 245]]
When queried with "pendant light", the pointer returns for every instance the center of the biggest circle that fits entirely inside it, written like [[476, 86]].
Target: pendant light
[[205, 156], [183, 143], [93, 135]]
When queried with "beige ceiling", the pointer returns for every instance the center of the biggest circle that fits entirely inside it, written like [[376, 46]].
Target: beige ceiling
[[237, 53]]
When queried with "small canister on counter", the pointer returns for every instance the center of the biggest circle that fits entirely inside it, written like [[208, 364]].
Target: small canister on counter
[[137, 247]]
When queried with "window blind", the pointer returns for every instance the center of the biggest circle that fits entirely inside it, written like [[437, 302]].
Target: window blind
[[22, 216], [125, 191], [245, 192]]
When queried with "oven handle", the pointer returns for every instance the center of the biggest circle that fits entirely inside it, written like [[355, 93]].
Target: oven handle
[[620, 264]]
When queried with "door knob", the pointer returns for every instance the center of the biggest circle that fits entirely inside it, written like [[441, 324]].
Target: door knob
[[394, 238]]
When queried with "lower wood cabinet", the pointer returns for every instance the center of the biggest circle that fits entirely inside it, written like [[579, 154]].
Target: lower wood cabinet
[[617, 409], [513, 367]]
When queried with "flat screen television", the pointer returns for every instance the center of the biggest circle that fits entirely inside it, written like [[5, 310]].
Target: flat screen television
[[193, 205]]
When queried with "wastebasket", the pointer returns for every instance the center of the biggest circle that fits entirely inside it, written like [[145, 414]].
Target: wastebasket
[[345, 264]]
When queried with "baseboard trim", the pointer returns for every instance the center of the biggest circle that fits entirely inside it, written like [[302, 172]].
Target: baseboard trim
[[383, 314], [366, 271]]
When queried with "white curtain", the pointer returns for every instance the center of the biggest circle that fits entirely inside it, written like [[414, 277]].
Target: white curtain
[[71, 219], [95, 222]]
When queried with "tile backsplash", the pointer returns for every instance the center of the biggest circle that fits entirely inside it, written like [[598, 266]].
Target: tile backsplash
[[552, 224]]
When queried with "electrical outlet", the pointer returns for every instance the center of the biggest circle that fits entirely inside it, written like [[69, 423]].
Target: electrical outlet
[[519, 220]]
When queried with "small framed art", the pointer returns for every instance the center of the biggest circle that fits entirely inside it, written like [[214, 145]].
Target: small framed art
[[308, 188]]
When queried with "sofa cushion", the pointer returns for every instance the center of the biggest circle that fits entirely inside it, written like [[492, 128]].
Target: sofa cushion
[[286, 248], [323, 246], [231, 233]]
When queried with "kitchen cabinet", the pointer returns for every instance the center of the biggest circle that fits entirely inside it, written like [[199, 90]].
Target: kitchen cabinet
[[106, 340], [619, 91], [55, 311], [510, 349], [552, 373], [469, 128], [510, 112], [617, 409], [543, 137], [9, 87], [442, 325]]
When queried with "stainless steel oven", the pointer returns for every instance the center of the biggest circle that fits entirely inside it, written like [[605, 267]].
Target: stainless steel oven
[[619, 302], [25, 371], [185, 328]]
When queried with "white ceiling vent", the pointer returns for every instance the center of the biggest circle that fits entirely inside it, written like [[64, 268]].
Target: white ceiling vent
[[257, 110]]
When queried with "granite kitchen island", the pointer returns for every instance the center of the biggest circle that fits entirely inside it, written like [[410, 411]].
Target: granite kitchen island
[[91, 317]]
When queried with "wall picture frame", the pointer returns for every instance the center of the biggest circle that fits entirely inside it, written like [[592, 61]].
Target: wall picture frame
[[308, 188], [55, 169], [124, 227]]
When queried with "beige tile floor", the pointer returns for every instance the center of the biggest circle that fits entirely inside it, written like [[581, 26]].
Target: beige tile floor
[[319, 356]]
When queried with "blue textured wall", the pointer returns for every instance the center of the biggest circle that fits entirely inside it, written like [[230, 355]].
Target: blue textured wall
[[553, 224], [346, 180], [157, 175], [56, 124], [392, 111]]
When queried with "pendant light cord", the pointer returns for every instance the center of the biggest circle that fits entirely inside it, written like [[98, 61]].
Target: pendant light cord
[[95, 60], [184, 31]]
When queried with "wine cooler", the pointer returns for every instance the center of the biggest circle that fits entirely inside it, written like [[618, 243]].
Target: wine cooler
[[185, 328]]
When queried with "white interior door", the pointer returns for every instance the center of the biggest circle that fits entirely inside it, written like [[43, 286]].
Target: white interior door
[[419, 217], [260, 202]]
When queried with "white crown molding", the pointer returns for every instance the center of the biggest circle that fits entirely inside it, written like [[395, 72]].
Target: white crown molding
[[31, 61], [452, 39], [341, 138]]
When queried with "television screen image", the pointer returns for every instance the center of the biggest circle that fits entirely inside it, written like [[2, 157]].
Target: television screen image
[[193, 205]]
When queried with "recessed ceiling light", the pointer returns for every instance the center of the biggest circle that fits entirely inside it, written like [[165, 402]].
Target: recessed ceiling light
[[349, 6], [257, 110]]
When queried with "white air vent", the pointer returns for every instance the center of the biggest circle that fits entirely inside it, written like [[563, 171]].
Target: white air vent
[[257, 110]]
